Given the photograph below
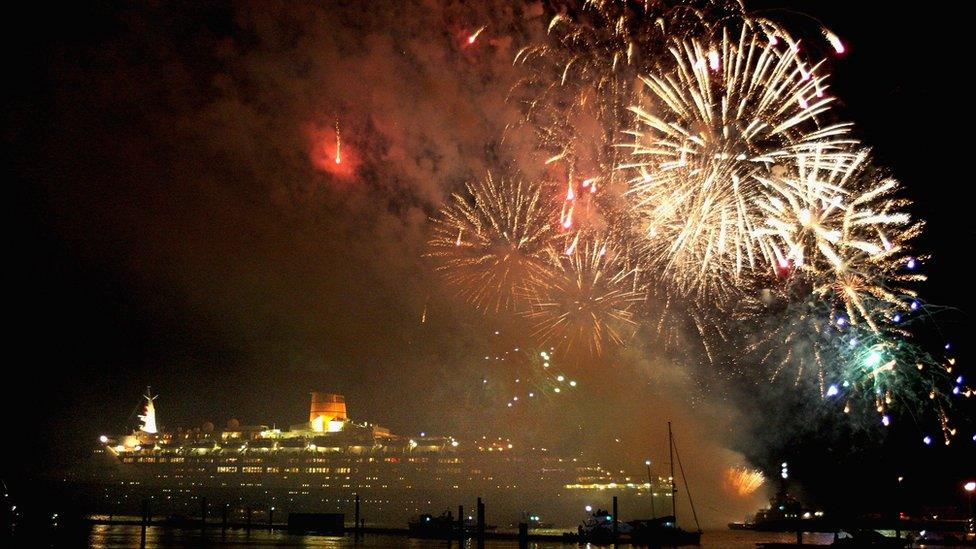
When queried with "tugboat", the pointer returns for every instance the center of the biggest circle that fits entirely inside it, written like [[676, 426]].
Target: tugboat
[[781, 516], [664, 531]]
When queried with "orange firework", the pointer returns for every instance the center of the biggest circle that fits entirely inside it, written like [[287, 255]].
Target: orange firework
[[743, 481], [328, 152]]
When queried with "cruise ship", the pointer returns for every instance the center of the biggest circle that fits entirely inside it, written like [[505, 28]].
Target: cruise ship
[[324, 463]]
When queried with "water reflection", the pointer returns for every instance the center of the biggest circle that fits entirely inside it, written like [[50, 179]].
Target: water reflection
[[102, 536]]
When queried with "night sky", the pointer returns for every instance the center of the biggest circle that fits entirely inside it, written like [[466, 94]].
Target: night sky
[[174, 225]]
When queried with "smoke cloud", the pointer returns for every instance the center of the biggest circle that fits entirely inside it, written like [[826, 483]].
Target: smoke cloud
[[186, 155]]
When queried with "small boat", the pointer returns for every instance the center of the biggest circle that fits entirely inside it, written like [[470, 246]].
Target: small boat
[[428, 526], [445, 526], [848, 540], [535, 522], [598, 528], [662, 532], [867, 538]]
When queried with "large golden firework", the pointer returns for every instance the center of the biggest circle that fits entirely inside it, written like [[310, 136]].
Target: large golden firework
[[491, 244], [729, 110], [768, 235], [837, 221]]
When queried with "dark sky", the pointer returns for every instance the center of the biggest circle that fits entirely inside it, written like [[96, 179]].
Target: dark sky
[[170, 224]]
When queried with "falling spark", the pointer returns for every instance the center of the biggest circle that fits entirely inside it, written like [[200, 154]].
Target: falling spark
[[572, 246], [474, 36], [338, 155], [835, 42]]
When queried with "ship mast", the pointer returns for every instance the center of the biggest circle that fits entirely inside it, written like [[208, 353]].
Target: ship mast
[[674, 491], [149, 418], [684, 479]]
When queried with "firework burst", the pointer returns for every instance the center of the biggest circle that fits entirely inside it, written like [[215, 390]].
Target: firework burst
[[796, 343], [729, 111], [755, 214], [591, 299], [492, 244], [881, 371], [840, 225], [743, 481], [868, 371], [517, 374], [537, 378], [580, 82], [691, 329]]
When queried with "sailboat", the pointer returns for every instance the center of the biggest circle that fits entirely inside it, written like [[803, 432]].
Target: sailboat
[[664, 531]]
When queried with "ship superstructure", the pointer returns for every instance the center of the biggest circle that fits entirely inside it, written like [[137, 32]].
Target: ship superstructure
[[331, 456]]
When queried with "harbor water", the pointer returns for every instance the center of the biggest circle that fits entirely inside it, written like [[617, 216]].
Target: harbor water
[[117, 536]]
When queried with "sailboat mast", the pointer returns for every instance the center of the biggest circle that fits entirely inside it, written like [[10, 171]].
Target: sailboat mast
[[674, 491], [684, 479]]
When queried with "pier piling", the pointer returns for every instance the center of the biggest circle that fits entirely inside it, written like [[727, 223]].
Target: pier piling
[[615, 520], [481, 524], [356, 525], [145, 522], [203, 513]]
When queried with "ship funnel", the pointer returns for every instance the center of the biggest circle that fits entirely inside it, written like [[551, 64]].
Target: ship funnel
[[327, 412]]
